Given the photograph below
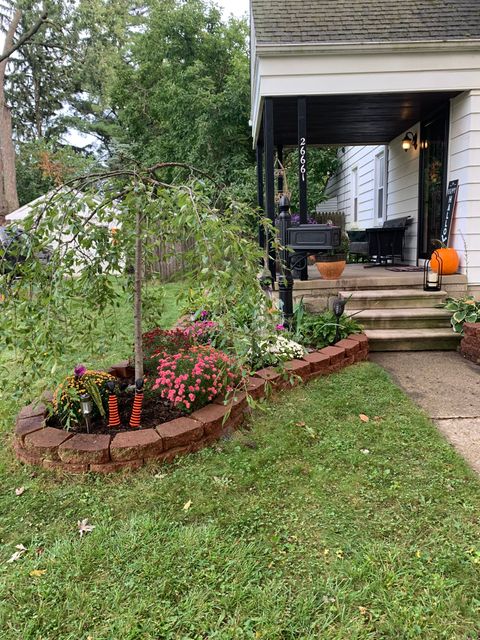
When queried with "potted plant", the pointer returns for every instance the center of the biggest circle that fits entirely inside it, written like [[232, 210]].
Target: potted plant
[[331, 264]]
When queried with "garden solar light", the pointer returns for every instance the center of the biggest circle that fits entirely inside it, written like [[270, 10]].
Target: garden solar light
[[338, 309], [86, 405]]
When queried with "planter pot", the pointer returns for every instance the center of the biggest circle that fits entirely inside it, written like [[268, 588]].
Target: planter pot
[[331, 267]]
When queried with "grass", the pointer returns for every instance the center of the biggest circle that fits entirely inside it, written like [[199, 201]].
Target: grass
[[312, 525]]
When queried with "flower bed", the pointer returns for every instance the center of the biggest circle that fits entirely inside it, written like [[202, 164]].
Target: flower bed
[[55, 448]]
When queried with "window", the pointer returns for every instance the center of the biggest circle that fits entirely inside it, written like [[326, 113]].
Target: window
[[380, 180], [355, 193]]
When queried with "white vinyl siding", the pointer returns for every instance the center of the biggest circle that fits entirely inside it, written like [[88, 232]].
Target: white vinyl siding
[[464, 166]]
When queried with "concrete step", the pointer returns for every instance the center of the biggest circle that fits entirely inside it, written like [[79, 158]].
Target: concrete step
[[413, 318], [412, 339], [392, 299]]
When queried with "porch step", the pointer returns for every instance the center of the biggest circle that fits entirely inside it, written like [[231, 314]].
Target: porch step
[[392, 299], [412, 339], [413, 318]]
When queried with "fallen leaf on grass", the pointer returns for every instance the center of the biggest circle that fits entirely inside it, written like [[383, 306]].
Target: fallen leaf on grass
[[187, 505], [300, 424], [160, 476], [19, 491], [18, 554], [363, 417], [365, 451], [84, 527], [38, 573]]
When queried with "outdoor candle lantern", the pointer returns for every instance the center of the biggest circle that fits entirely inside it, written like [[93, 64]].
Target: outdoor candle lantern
[[338, 309], [86, 406], [432, 280]]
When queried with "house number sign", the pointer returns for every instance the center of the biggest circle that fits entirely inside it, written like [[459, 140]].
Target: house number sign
[[303, 159], [449, 211]]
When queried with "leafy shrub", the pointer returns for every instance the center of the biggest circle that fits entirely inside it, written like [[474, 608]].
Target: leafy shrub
[[319, 330], [191, 379], [160, 343], [273, 351], [464, 310], [201, 331], [66, 399]]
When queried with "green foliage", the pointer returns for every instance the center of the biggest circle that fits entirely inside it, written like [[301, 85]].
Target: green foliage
[[465, 309], [49, 308], [183, 91], [66, 400], [43, 165], [320, 330], [322, 163]]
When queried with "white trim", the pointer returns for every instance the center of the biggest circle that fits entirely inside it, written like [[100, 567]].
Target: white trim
[[354, 187], [381, 156]]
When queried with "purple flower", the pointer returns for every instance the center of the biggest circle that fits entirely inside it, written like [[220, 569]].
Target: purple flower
[[204, 315], [79, 370], [280, 327]]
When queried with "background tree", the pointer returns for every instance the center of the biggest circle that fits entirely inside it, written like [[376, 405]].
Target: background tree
[[183, 90]]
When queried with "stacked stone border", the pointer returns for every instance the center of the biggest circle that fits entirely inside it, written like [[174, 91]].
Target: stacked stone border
[[52, 448], [470, 344]]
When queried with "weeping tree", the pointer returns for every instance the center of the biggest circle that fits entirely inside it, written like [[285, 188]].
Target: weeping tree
[[48, 307]]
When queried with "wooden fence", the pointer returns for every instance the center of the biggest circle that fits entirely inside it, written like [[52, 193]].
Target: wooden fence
[[169, 260]]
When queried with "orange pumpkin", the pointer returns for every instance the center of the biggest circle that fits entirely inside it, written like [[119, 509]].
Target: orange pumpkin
[[446, 260]]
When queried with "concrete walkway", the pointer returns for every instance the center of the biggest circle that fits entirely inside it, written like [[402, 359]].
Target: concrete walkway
[[447, 387]]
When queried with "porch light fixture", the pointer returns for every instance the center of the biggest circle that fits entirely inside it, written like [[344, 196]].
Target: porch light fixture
[[410, 140]]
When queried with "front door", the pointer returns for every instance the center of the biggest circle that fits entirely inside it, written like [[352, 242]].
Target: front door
[[433, 175]]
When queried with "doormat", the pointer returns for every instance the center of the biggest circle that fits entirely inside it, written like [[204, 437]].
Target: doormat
[[405, 267]]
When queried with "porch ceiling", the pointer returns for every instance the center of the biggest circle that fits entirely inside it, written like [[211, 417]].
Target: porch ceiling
[[353, 119]]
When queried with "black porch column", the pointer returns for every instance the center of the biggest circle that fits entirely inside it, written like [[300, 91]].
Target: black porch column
[[260, 198], [269, 179], [302, 168]]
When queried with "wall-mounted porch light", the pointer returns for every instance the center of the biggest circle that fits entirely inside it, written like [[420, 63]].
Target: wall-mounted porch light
[[410, 140]]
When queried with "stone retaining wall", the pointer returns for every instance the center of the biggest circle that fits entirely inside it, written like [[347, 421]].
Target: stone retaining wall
[[38, 444], [470, 344]]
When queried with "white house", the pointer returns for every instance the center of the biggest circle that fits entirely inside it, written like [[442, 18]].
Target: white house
[[363, 75]]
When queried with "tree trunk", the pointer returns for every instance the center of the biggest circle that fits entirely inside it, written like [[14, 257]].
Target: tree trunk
[[137, 309], [8, 176]]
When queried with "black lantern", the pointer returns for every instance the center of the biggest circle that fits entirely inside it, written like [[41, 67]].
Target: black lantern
[[432, 280], [338, 309]]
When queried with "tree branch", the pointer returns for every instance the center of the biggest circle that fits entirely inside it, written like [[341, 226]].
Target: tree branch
[[28, 35]]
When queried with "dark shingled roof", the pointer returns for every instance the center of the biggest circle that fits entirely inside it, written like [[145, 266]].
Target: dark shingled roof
[[322, 21]]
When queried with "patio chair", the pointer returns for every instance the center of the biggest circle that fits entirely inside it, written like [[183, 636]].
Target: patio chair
[[358, 245], [387, 242]]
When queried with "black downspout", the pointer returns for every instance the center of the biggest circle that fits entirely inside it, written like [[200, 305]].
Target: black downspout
[[260, 196]]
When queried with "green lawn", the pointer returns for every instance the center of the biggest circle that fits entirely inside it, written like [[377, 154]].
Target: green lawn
[[313, 525]]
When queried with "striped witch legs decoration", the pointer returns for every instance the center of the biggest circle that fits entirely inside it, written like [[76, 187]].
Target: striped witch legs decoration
[[137, 405], [113, 415]]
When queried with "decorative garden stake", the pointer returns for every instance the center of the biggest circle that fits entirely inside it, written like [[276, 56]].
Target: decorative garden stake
[[338, 309], [113, 415], [87, 408], [137, 404]]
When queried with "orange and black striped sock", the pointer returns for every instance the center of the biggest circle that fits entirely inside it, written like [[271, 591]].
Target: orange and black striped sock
[[137, 405], [113, 415]]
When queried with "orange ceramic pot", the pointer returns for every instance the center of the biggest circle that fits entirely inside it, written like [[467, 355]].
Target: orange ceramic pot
[[445, 260], [331, 270]]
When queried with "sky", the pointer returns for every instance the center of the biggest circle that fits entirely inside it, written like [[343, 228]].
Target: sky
[[237, 7]]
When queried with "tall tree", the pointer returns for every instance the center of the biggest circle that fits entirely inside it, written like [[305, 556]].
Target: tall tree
[[183, 90]]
